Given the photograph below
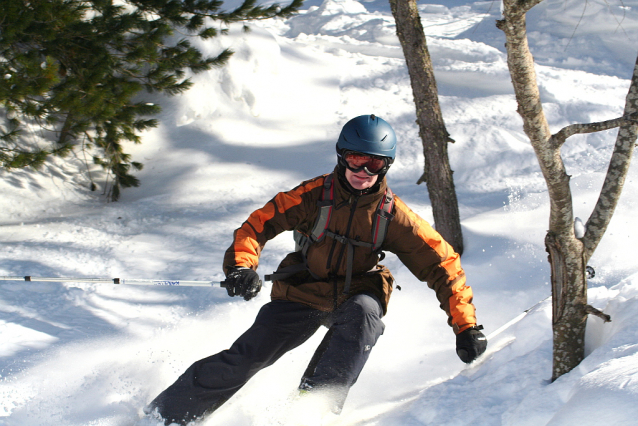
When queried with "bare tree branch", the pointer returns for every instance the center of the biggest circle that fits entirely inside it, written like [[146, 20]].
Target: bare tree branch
[[600, 314], [524, 6], [616, 173], [577, 25], [559, 138]]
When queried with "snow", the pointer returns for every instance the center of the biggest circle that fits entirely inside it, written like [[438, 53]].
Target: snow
[[95, 354]]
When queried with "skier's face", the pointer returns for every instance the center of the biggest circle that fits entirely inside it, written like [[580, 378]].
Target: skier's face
[[360, 180]]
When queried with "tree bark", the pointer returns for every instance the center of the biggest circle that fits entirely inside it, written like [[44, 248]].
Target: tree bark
[[617, 171], [65, 132], [568, 255], [569, 302], [569, 287], [434, 136]]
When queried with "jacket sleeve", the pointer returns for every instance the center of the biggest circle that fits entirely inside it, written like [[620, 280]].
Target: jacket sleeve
[[431, 259], [283, 213]]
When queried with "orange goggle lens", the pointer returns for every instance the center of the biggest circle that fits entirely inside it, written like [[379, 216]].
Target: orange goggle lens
[[357, 162]]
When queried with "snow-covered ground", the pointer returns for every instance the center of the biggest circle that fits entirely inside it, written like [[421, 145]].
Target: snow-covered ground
[[95, 354]]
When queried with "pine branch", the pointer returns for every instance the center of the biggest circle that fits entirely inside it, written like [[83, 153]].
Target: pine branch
[[75, 66]]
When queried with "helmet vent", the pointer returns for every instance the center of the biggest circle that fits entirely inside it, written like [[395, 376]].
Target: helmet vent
[[384, 138]]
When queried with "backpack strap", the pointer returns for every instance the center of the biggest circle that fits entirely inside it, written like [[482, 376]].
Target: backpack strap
[[325, 210], [382, 220], [318, 233]]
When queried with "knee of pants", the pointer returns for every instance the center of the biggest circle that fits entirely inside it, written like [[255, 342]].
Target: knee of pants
[[367, 303], [361, 317]]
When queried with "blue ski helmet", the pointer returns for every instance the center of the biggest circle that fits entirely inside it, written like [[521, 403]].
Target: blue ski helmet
[[368, 134]]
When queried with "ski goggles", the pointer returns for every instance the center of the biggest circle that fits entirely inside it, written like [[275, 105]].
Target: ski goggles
[[372, 164]]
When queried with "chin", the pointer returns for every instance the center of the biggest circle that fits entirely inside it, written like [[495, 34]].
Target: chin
[[362, 187]]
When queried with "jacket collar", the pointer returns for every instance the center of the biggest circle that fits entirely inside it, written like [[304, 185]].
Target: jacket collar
[[344, 193]]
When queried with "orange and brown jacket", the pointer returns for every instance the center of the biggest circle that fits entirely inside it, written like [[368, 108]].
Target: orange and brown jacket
[[412, 239]]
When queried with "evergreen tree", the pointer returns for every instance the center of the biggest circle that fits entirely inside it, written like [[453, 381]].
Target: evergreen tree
[[75, 66]]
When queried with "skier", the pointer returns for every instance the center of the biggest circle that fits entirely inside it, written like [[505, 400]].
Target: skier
[[334, 279]]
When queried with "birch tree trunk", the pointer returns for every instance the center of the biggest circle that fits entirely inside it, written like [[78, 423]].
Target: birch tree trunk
[[434, 136], [568, 255]]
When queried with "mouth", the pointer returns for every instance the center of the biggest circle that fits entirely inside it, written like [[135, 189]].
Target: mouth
[[364, 177], [358, 180]]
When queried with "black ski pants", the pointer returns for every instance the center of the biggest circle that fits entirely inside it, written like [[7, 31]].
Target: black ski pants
[[279, 327]]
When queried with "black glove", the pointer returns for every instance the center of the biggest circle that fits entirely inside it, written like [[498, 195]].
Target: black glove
[[470, 344], [242, 282]]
